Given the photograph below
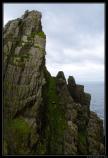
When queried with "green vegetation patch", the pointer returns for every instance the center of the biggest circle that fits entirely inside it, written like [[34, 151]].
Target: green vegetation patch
[[17, 136], [20, 59], [56, 119], [82, 142], [41, 34], [20, 125], [82, 137], [55, 123], [33, 34]]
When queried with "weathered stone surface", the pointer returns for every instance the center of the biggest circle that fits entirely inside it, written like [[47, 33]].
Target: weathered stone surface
[[77, 92], [43, 114], [95, 134], [23, 75], [71, 81]]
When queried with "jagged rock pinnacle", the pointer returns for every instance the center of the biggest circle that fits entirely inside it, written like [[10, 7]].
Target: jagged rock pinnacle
[[43, 115]]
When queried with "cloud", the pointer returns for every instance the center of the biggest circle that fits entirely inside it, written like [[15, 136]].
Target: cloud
[[88, 50], [84, 72], [75, 37]]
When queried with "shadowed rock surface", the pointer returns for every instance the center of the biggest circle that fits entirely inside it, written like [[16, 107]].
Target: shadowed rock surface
[[42, 114]]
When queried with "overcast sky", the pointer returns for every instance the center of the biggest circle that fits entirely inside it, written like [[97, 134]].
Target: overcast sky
[[74, 34]]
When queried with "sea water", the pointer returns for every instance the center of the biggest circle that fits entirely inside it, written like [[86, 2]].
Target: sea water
[[96, 89], [97, 97], [97, 104]]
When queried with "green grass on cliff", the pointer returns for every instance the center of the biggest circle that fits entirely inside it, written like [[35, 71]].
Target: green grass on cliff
[[41, 34], [55, 124], [17, 135], [82, 139], [20, 125]]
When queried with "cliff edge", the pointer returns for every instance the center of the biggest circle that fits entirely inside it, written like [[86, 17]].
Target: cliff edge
[[42, 114]]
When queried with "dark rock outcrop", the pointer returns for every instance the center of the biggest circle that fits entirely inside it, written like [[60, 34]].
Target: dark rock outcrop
[[77, 92], [43, 114]]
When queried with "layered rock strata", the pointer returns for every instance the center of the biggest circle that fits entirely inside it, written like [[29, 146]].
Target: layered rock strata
[[42, 114]]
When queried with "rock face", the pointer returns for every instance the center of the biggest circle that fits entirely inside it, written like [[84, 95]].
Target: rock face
[[24, 61], [43, 114]]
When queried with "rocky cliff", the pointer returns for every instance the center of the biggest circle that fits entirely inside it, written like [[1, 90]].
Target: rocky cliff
[[42, 114]]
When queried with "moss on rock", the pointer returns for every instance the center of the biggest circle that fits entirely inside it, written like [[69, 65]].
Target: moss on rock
[[56, 124], [17, 136], [41, 34], [82, 142]]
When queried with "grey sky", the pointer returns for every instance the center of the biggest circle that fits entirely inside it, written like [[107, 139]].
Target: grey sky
[[75, 37]]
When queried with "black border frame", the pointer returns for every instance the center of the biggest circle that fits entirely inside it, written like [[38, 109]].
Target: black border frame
[[105, 63]]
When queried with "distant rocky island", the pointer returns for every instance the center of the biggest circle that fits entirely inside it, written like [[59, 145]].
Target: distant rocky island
[[42, 114]]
